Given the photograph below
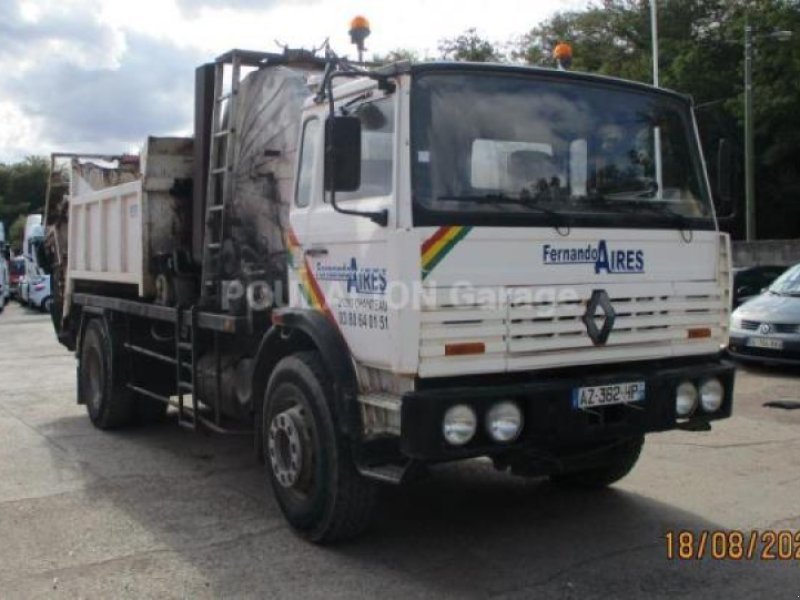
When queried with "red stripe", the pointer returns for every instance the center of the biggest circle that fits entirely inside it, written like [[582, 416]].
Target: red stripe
[[292, 237], [318, 295], [435, 238]]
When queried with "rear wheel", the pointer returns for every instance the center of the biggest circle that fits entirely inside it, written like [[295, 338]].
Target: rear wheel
[[308, 462], [609, 466], [100, 384]]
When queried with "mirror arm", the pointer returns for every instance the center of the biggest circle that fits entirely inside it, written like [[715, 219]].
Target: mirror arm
[[380, 217]]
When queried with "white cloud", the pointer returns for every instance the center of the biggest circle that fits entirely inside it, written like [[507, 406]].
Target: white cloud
[[101, 75]]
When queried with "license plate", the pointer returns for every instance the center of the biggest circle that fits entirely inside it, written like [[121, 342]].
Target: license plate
[[768, 343], [605, 395]]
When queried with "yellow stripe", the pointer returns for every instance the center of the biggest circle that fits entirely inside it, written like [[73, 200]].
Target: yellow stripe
[[437, 247]]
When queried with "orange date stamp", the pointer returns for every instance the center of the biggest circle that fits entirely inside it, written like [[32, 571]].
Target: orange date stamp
[[733, 545]]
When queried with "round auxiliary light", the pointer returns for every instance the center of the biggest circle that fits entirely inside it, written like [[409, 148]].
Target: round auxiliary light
[[711, 395], [504, 422], [459, 424], [685, 399]]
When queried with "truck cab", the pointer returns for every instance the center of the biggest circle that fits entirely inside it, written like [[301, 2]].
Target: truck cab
[[550, 241]]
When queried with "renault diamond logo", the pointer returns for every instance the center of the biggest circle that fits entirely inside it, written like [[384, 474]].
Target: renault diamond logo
[[599, 317]]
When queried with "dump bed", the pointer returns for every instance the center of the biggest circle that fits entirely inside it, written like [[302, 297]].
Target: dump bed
[[117, 233]]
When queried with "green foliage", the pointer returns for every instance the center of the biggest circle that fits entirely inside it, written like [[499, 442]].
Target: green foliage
[[396, 55], [23, 187], [469, 46], [17, 233]]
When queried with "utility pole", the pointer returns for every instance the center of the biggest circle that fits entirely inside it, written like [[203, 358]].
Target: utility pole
[[656, 130], [654, 34], [749, 151]]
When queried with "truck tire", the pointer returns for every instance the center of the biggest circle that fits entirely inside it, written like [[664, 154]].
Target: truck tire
[[100, 387], [309, 463], [616, 463]]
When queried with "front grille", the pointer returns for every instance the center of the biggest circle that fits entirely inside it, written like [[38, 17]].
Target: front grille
[[786, 328], [526, 328]]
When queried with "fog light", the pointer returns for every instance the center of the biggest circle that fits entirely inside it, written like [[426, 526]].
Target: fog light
[[504, 422], [459, 424], [685, 399], [711, 395]]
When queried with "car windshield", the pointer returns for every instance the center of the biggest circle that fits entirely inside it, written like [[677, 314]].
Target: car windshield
[[788, 283], [501, 144]]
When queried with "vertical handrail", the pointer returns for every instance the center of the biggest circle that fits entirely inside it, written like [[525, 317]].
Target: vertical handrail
[[193, 343]]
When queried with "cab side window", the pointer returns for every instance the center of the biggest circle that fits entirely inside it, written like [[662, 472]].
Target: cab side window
[[377, 150], [309, 149]]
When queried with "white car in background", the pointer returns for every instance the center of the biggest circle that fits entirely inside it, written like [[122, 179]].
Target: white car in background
[[38, 294], [5, 285]]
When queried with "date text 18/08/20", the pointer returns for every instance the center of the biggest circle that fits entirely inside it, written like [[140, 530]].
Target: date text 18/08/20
[[733, 545]]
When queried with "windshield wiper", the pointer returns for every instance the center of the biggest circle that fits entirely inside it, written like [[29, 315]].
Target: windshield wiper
[[635, 200], [526, 202]]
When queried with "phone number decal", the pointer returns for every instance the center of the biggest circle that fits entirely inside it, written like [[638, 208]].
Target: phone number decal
[[733, 545]]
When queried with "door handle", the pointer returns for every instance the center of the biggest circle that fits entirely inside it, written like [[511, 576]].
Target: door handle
[[316, 252]]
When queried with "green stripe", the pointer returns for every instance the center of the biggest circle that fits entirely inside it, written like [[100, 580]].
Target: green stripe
[[445, 251]]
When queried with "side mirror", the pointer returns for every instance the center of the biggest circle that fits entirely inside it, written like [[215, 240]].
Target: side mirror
[[342, 154], [724, 183]]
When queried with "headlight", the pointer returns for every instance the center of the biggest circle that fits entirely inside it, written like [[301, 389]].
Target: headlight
[[711, 395], [504, 422], [685, 399], [459, 424]]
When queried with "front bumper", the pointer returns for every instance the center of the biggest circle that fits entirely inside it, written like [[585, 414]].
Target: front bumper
[[788, 355], [551, 421]]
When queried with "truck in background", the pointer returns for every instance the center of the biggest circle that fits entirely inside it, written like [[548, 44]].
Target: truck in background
[[372, 271], [5, 269], [34, 285]]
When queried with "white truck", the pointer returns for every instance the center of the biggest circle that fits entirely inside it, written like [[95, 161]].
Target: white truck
[[5, 275], [34, 287], [373, 271]]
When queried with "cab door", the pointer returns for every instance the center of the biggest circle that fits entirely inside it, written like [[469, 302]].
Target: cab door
[[347, 255]]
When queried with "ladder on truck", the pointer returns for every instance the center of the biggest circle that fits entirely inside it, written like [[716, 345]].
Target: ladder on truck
[[222, 162]]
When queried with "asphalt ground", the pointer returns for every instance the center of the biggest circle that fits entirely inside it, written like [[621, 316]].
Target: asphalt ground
[[163, 512]]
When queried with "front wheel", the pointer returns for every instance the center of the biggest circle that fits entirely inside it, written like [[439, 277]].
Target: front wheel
[[609, 465], [308, 462]]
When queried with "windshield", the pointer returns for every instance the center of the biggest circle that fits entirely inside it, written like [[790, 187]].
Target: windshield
[[509, 148], [788, 283]]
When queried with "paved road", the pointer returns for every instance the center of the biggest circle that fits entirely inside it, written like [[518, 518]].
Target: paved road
[[162, 512]]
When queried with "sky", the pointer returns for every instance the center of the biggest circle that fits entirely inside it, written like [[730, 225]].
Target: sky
[[101, 75]]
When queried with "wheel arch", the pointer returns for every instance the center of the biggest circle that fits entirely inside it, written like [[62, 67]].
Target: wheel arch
[[305, 329]]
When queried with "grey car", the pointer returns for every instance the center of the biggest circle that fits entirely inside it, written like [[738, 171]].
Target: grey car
[[767, 328]]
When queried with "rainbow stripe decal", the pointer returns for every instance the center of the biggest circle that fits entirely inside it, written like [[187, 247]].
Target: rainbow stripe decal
[[436, 247], [309, 287]]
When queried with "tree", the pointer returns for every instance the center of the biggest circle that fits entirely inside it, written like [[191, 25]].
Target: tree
[[23, 187], [469, 46], [17, 233], [396, 55]]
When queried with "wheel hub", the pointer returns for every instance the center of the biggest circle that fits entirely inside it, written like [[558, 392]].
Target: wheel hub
[[285, 445]]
